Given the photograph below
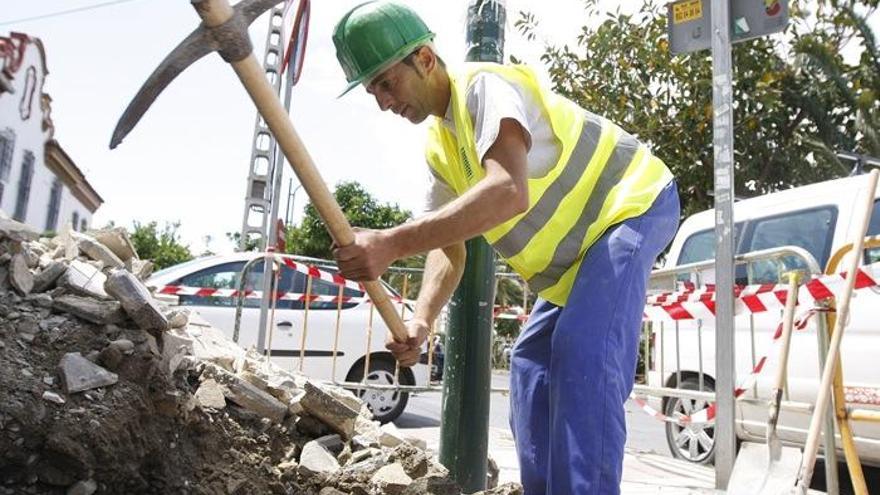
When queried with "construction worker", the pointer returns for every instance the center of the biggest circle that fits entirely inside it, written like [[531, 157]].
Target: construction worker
[[573, 203]]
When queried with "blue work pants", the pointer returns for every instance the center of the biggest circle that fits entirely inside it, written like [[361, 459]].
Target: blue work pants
[[573, 367]]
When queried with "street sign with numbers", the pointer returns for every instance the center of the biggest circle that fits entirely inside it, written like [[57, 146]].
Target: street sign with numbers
[[689, 22]]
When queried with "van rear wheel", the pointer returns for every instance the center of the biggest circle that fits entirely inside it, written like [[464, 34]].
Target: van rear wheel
[[386, 405], [695, 442]]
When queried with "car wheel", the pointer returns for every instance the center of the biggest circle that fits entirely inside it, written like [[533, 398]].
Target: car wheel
[[386, 405], [693, 443]]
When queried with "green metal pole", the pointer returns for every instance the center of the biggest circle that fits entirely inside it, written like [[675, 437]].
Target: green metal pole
[[467, 372]]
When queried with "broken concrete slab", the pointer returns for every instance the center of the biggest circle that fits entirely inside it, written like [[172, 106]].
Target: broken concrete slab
[[391, 479], [20, 276], [46, 279], [316, 461], [32, 258], [97, 251], [210, 395], [100, 312], [84, 279], [333, 443], [246, 395], [78, 374], [433, 485], [17, 231], [413, 460], [335, 414], [142, 269], [390, 435], [116, 239], [136, 300]]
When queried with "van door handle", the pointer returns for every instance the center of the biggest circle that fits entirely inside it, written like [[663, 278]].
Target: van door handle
[[284, 324]]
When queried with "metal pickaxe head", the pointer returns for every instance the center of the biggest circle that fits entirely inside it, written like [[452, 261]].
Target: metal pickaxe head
[[223, 29]]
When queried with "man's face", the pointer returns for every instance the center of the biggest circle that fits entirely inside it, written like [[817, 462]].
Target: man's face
[[403, 90]]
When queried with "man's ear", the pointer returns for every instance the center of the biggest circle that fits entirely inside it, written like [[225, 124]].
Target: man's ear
[[426, 59]]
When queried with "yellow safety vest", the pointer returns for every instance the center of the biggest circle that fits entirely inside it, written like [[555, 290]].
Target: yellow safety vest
[[604, 176]]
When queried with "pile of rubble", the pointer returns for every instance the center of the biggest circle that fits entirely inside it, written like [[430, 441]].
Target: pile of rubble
[[106, 390]]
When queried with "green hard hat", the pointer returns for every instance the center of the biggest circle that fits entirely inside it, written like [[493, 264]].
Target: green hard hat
[[374, 36]]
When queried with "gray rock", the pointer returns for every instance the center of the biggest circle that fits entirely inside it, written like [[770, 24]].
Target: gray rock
[[124, 345], [46, 279], [84, 279], [335, 414], [97, 251], [79, 374], [100, 312], [111, 357], [17, 231], [20, 275], [32, 258], [390, 436], [210, 395], [40, 300], [333, 443], [53, 397], [413, 460], [178, 318], [247, 395], [391, 479], [83, 488], [433, 485], [505, 489], [142, 269], [317, 461], [136, 300], [117, 240], [329, 490]]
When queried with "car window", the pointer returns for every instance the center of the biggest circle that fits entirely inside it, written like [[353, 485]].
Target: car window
[[700, 246], [811, 230], [222, 276], [324, 288], [872, 255]]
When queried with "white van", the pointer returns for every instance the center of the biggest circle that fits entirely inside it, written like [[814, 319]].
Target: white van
[[819, 218], [224, 272]]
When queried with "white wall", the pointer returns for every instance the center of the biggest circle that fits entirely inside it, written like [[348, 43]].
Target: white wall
[[30, 136]]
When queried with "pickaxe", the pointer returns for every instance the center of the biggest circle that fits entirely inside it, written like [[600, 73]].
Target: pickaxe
[[224, 30]]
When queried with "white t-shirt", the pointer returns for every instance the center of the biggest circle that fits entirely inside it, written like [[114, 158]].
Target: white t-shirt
[[491, 98]]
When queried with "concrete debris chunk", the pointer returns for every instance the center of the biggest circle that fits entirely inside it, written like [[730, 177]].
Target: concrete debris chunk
[[390, 435], [84, 279], [32, 258], [210, 395], [136, 300], [329, 490], [142, 269], [116, 239], [332, 412], [316, 461], [97, 251], [413, 460], [83, 488], [46, 279], [505, 489], [333, 443], [20, 275], [178, 318], [79, 374], [391, 479], [247, 395], [53, 397], [433, 485], [17, 231], [100, 312]]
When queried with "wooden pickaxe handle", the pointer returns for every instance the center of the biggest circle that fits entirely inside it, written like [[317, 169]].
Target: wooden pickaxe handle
[[252, 75]]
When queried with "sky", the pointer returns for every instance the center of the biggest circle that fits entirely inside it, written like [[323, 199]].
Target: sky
[[188, 158]]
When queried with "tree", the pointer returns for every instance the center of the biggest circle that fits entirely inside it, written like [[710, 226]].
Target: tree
[[789, 116], [163, 247], [310, 237]]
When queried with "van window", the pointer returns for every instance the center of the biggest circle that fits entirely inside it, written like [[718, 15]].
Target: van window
[[700, 246], [811, 230], [872, 255]]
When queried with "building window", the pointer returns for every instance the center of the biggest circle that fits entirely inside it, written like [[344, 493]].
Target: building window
[[24, 186], [7, 147], [27, 99], [75, 220], [54, 206], [83, 225]]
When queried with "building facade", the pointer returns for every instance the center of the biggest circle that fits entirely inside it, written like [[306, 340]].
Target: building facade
[[40, 184]]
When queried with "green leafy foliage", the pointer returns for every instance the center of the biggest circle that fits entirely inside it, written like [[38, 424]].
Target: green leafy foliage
[[310, 237], [162, 246], [796, 101]]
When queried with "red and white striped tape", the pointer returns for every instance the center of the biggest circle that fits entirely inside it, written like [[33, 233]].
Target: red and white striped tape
[[182, 290], [315, 272], [693, 303], [707, 414]]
